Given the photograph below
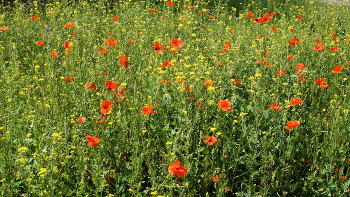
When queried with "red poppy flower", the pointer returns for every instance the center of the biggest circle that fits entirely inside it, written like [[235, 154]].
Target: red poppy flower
[[69, 79], [224, 105], [317, 40], [334, 49], [282, 72], [337, 69], [111, 42], [67, 51], [321, 81], [210, 140], [123, 61], [208, 82], [188, 88], [177, 169], [299, 18], [318, 47], [158, 47], [335, 42], [106, 106], [116, 18], [40, 43], [267, 17], [250, 15], [344, 178], [178, 43], [54, 54], [81, 120], [170, 3], [265, 61], [90, 86], [165, 64], [275, 107], [148, 110], [323, 85], [291, 124], [35, 17], [131, 41], [178, 80], [219, 63], [164, 82], [291, 30], [111, 85], [152, 10], [121, 97], [334, 34], [294, 41], [4, 28], [300, 68], [68, 44], [257, 20], [227, 46], [237, 82], [102, 50], [69, 25], [336, 170], [290, 57], [215, 179], [92, 140], [273, 29], [295, 102], [231, 31]]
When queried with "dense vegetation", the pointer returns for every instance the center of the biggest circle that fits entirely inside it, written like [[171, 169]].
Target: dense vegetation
[[174, 98]]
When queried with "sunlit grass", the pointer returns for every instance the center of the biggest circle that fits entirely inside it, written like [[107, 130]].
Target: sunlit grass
[[195, 99]]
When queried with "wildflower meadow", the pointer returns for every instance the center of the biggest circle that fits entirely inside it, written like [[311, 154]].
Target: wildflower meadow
[[174, 98]]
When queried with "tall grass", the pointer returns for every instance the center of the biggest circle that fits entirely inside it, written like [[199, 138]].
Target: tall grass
[[44, 146]]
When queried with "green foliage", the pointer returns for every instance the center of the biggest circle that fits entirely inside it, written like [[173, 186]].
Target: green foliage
[[44, 150]]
